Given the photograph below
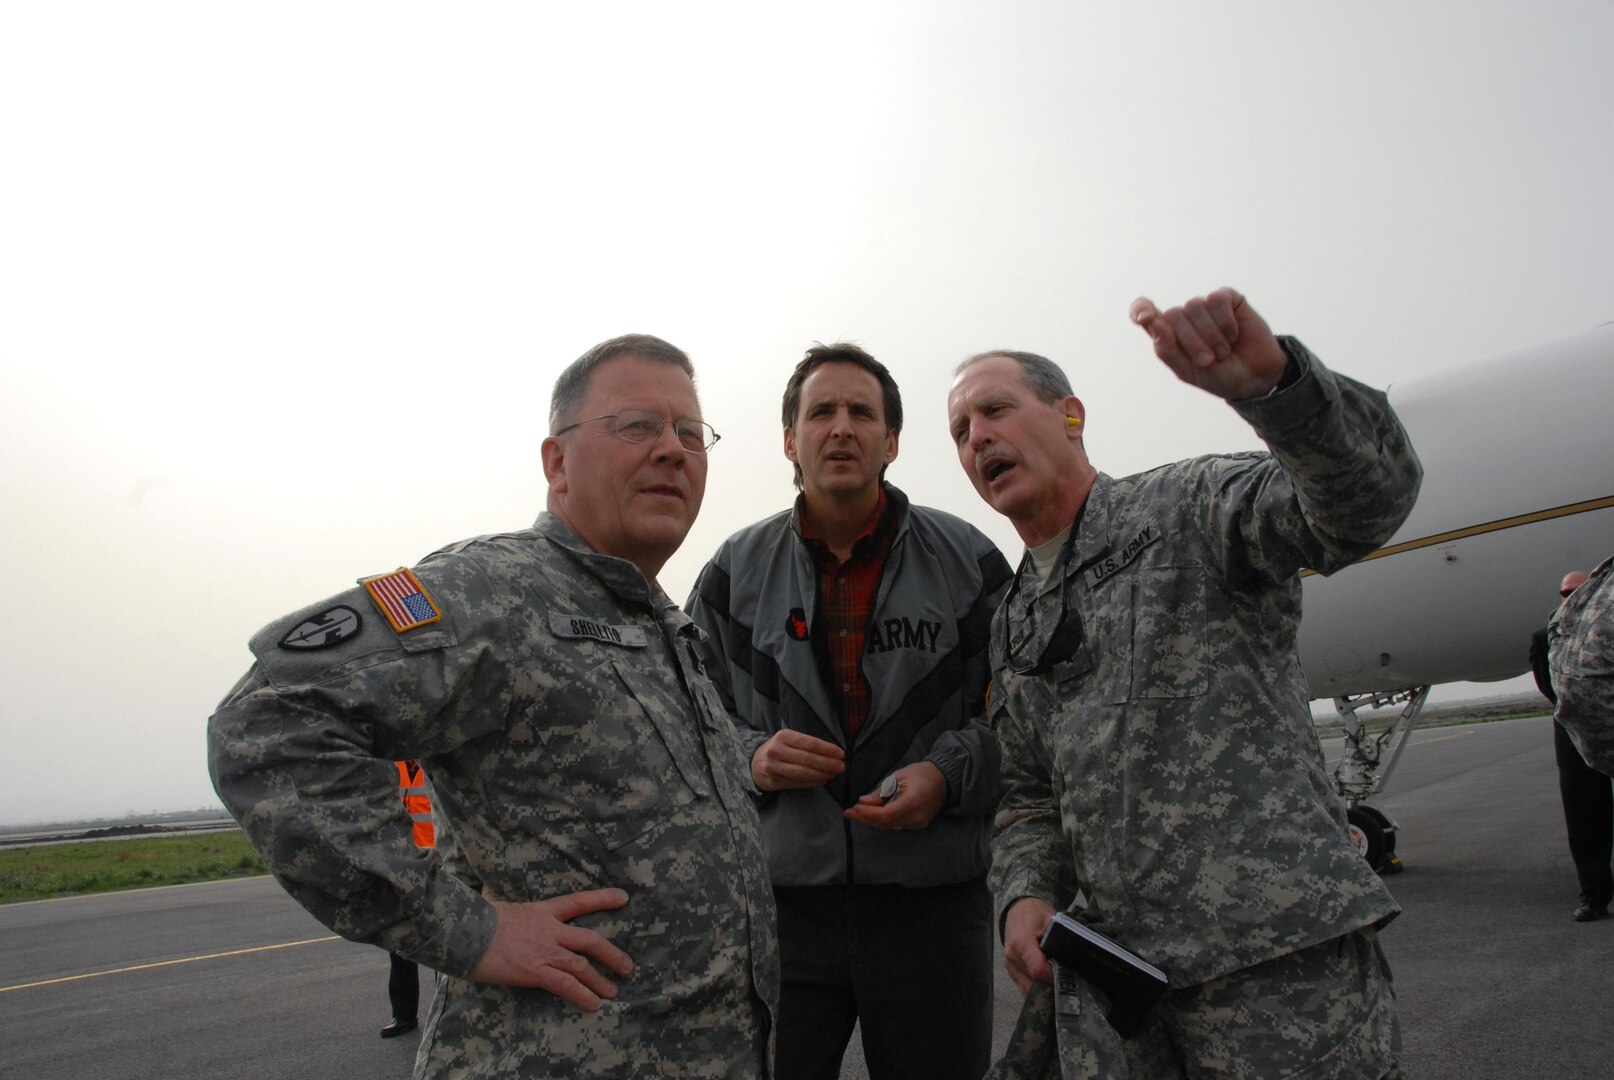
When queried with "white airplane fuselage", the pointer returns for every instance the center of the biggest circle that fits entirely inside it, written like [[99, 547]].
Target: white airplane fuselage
[[1518, 457]]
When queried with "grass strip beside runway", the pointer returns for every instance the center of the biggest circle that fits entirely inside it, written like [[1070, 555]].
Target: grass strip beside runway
[[41, 873]]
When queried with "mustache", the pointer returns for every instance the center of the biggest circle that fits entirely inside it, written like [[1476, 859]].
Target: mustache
[[987, 455]]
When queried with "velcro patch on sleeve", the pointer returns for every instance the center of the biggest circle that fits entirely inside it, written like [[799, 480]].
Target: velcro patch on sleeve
[[402, 599], [330, 627]]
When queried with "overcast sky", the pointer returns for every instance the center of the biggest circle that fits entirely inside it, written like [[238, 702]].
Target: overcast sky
[[283, 287]]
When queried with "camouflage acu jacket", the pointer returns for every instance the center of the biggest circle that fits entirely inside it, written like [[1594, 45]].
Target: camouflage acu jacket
[[572, 743], [1158, 750], [1580, 650]]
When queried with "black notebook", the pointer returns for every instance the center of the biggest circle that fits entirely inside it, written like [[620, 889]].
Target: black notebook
[[1131, 983]]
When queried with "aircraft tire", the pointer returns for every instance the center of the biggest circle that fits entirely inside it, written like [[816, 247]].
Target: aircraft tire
[[1374, 842]]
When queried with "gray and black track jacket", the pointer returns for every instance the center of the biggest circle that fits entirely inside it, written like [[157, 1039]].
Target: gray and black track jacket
[[926, 660]]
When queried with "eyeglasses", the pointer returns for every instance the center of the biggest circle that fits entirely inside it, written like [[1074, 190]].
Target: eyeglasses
[[695, 436]]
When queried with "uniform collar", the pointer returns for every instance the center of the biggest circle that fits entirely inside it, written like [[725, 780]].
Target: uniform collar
[[1092, 537], [1041, 625], [620, 577]]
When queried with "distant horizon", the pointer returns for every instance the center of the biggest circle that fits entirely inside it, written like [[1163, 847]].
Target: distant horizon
[[1321, 709], [128, 817]]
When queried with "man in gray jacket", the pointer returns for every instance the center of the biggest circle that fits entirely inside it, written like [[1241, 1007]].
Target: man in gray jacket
[[1159, 755], [848, 637]]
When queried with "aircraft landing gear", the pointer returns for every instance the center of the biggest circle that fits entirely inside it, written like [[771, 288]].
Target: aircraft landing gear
[[1357, 776], [1374, 834]]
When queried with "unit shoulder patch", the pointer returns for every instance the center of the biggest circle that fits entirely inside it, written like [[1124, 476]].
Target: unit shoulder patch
[[330, 627]]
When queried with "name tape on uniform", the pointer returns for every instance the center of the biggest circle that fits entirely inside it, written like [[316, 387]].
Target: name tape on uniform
[[1110, 565], [576, 626]]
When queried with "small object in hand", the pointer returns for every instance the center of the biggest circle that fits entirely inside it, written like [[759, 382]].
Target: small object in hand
[[889, 788]]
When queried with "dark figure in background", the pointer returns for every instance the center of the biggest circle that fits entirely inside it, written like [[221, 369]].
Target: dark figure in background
[[403, 982], [1588, 795], [403, 991]]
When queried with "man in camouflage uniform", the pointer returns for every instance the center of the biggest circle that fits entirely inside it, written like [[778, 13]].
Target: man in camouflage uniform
[[1580, 650], [1587, 794], [604, 907], [1158, 751]]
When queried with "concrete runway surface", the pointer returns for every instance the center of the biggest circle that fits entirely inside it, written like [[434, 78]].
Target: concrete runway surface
[[233, 979]]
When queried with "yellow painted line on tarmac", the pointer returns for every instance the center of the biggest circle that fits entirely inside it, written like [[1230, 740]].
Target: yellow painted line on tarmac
[[1443, 738], [168, 963]]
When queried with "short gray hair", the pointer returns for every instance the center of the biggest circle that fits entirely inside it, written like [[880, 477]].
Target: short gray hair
[[1045, 378], [572, 386]]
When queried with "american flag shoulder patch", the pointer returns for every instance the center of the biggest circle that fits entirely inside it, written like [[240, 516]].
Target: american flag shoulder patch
[[402, 599]]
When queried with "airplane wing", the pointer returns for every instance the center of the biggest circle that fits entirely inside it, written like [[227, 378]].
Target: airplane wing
[[1518, 489], [1518, 457]]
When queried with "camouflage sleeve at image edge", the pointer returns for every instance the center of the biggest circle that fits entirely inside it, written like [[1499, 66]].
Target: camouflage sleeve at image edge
[[1580, 643]]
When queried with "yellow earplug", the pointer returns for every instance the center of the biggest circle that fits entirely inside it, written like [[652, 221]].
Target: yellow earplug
[[1073, 421]]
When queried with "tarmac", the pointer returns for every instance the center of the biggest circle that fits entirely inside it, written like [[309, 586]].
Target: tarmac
[[233, 979]]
